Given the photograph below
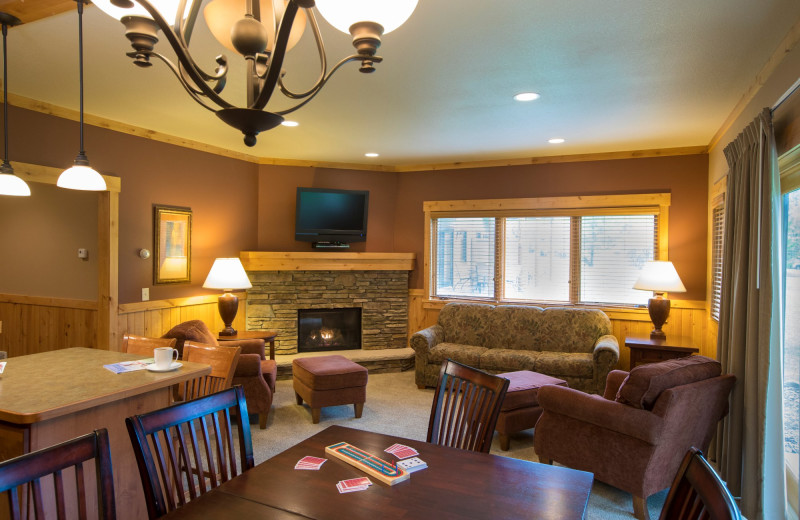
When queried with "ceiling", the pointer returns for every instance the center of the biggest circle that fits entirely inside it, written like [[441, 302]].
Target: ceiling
[[613, 76]]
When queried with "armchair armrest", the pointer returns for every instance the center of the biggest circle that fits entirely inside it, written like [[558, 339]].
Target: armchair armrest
[[613, 382], [248, 346], [609, 415], [249, 365], [423, 341]]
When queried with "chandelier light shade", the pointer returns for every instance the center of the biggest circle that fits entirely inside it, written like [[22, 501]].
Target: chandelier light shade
[[81, 176], [659, 277], [227, 274], [10, 184], [261, 31]]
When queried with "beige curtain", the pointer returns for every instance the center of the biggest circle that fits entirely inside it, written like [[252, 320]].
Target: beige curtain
[[749, 447]]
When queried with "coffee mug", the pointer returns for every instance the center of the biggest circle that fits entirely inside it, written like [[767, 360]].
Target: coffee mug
[[164, 356]]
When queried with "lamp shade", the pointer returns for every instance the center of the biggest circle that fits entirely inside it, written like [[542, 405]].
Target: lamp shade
[[227, 274], [116, 8], [10, 184], [659, 277], [81, 177], [391, 14]]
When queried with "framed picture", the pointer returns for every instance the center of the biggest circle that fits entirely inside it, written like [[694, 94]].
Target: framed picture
[[172, 234]]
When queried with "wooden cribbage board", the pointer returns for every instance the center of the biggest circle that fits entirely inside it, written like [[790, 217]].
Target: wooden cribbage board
[[384, 471]]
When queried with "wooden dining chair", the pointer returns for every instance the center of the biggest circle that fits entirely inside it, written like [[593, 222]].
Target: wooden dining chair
[[223, 362], [697, 493], [143, 345], [465, 407], [197, 434], [44, 475]]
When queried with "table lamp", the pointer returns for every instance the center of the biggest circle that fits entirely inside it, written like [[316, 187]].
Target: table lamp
[[227, 274], [659, 277]]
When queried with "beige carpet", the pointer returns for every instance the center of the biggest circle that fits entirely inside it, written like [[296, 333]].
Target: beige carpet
[[395, 406]]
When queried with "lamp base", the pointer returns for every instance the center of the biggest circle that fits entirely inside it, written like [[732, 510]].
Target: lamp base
[[228, 305], [658, 308]]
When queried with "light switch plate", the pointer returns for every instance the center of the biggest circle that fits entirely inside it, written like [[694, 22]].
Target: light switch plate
[[145, 294]]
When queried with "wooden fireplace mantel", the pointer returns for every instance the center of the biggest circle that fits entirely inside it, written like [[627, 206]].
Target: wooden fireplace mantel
[[326, 261]]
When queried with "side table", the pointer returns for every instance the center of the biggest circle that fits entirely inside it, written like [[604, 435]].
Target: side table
[[645, 349], [267, 335]]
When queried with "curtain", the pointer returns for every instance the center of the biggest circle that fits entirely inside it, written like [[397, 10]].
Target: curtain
[[749, 447]]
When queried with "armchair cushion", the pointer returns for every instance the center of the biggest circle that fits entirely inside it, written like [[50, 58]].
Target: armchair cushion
[[646, 382], [194, 330]]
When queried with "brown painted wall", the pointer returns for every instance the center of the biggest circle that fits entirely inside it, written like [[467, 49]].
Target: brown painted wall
[[683, 176], [222, 193]]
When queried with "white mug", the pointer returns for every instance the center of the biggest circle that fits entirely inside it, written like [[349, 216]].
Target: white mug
[[164, 356]]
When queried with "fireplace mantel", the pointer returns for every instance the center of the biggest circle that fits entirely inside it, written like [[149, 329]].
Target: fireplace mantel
[[326, 261]]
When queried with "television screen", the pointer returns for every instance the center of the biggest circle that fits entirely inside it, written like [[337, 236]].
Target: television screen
[[326, 215]]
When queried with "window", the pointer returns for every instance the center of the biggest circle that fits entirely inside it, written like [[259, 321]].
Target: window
[[560, 250], [717, 229]]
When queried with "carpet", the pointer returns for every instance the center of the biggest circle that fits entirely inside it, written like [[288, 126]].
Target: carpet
[[395, 406]]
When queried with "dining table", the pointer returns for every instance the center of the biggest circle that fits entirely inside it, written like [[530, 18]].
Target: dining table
[[456, 484]]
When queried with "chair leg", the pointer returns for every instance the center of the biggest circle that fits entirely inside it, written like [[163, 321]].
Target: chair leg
[[549, 462], [421, 387], [315, 415], [298, 398], [504, 442], [262, 421], [359, 407], [640, 508]]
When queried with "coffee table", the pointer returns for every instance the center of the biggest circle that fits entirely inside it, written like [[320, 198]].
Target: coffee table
[[457, 484]]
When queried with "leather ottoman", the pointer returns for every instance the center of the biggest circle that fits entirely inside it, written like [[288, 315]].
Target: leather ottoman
[[520, 409], [329, 381]]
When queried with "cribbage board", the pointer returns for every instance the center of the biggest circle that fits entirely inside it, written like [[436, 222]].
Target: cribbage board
[[386, 472]]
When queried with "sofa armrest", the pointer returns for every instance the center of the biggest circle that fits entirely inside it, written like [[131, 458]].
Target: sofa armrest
[[605, 356], [613, 382], [423, 341], [248, 346], [600, 412], [249, 365]]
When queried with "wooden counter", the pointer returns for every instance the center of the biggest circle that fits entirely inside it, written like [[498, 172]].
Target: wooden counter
[[54, 396]]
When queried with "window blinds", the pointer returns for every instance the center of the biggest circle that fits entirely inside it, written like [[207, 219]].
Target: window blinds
[[465, 252]]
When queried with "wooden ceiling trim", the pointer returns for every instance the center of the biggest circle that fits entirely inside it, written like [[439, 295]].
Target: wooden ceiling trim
[[31, 10]]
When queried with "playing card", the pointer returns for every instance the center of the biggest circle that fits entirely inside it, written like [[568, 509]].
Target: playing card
[[355, 482], [405, 452], [343, 489], [310, 463]]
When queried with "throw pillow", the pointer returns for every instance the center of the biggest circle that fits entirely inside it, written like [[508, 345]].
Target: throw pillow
[[646, 382]]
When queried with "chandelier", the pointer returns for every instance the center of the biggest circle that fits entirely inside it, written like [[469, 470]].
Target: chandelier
[[261, 31]]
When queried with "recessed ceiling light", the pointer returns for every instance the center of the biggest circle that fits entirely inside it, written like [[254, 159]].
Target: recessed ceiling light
[[371, 154], [290, 123], [556, 140], [527, 96]]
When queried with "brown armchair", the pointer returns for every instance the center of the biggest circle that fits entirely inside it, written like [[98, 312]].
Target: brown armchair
[[635, 436], [254, 371]]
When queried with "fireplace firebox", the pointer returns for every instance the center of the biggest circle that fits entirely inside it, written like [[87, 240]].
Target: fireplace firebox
[[328, 329]]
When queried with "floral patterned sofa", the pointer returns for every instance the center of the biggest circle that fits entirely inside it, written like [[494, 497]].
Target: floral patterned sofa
[[568, 343]]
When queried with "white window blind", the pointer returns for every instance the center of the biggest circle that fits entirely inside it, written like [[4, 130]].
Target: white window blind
[[537, 258], [717, 229], [613, 250], [465, 252]]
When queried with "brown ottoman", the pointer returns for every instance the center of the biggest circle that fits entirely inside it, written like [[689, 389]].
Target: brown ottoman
[[329, 381], [521, 409]]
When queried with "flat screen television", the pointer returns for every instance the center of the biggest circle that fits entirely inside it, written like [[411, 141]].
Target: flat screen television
[[331, 216]]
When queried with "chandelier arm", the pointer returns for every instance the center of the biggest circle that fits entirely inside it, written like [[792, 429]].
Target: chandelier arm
[[276, 57], [323, 60], [196, 94], [354, 57], [182, 52]]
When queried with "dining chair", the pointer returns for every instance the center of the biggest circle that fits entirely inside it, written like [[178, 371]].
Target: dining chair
[[44, 475], [698, 493], [197, 434], [133, 344], [465, 407], [223, 364]]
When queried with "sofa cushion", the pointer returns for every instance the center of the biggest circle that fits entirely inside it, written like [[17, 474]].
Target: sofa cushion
[[566, 329], [565, 364], [503, 360], [514, 327], [466, 354], [465, 323], [646, 382]]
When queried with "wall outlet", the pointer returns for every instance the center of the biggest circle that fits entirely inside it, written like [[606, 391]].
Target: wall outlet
[[145, 294], [83, 254]]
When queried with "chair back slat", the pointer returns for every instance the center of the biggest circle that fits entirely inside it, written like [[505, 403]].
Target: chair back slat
[[223, 361], [142, 345], [465, 407], [697, 493], [43, 477], [187, 449]]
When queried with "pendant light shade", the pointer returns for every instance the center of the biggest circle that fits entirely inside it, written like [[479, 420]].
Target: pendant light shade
[[10, 184], [343, 14], [81, 176]]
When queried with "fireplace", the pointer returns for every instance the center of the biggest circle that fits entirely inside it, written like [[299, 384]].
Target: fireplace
[[328, 329]]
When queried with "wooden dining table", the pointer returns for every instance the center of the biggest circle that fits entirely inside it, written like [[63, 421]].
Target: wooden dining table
[[457, 484]]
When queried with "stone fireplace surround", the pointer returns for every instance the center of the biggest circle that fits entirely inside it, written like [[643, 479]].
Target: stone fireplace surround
[[286, 282]]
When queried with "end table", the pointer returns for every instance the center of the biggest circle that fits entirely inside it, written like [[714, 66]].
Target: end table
[[267, 335], [648, 350]]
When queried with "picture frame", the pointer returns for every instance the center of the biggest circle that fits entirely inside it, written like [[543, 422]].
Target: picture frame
[[172, 244]]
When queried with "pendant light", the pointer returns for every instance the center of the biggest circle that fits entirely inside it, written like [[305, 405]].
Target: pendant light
[[81, 176], [10, 184]]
